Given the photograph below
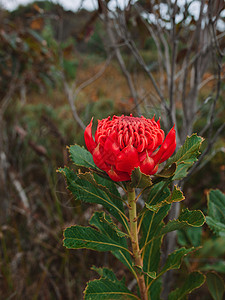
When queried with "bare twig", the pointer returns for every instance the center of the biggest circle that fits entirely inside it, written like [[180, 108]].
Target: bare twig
[[19, 189], [212, 137], [140, 60], [72, 94], [4, 205], [120, 59]]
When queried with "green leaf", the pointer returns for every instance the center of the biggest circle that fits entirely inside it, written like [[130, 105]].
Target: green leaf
[[175, 196], [139, 179], [100, 218], [187, 218], [83, 160], [105, 273], [107, 186], [104, 288], [167, 172], [149, 274], [190, 236], [213, 247], [105, 225], [151, 225], [81, 157], [155, 290], [78, 237], [158, 193], [216, 212], [215, 285], [216, 226], [186, 156], [154, 208], [100, 191], [218, 266], [174, 259], [193, 281]]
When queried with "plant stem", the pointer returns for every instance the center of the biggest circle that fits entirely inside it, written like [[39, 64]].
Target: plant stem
[[134, 241]]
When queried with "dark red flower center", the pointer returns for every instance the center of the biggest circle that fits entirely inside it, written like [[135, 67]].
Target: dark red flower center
[[142, 133]]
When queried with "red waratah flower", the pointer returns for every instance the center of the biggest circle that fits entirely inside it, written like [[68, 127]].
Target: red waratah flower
[[126, 142]]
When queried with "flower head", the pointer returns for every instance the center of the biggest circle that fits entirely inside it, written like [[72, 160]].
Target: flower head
[[126, 142]]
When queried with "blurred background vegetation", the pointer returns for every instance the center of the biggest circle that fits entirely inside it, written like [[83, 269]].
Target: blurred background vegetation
[[58, 69]]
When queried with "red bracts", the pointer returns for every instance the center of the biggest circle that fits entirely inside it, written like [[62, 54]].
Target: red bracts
[[126, 142]]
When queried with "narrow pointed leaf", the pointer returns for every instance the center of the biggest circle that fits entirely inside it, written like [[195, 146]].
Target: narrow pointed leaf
[[194, 281]]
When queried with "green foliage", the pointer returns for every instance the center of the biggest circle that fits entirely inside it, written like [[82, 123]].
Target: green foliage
[[174, 259], [107, 287], [175, 196], [98, 193], [104, 223], [186, 156], [213, 247], [218, 266], [87, 183], [193, 281], [189, 236], [187, 218], [215, 285], [81, 157], [140, 180], [216, 212], [78, 237], [216, 222]]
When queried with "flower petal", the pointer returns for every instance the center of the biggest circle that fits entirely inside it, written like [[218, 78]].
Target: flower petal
[[89, 141], [154, 170], [98, 157], [147, 165], [167, 148], [127, 160], [117, 175], [111, 149]]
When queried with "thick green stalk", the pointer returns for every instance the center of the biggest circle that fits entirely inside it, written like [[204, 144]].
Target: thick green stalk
[[135, 244]]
